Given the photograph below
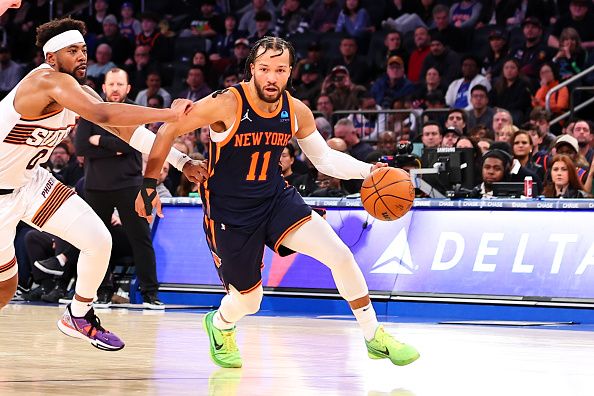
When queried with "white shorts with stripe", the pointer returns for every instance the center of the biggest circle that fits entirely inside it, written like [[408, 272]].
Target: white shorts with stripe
[[34, 203]]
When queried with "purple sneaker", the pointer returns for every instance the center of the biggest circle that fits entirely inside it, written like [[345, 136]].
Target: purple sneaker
[[89, 328]]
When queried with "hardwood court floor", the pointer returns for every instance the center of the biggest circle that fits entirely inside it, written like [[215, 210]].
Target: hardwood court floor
[[166, 354]]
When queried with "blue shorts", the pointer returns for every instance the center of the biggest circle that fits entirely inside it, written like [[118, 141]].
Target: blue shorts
[[238, 251]]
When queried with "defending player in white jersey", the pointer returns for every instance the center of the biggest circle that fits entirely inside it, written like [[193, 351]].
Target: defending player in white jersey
[[36, 115]]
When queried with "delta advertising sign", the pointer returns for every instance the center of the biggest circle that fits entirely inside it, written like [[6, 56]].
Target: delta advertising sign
[[539, 253]]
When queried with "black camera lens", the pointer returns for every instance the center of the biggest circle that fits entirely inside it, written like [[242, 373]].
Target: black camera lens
[[404, 148]]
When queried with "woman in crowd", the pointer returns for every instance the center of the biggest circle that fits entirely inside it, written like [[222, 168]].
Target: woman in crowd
[[505, 133], [571, 57], [210, 75], [564, 182], [522, 146], [354, 20], [549, 78], [432, 85], [496, 54], [512, 92]]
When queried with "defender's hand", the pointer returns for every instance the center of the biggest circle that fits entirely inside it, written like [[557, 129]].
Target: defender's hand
[[181, 107], [148, 199], [196, 171]]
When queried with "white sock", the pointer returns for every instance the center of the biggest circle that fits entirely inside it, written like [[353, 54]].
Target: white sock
[[80, 308], [220, 324], [61, 259], [367, 320]]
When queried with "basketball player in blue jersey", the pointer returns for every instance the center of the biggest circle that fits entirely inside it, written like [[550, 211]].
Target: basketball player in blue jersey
[[247, 204], [36, 115]]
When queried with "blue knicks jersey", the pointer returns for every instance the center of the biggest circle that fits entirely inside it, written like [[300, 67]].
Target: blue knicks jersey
[[245, 175]]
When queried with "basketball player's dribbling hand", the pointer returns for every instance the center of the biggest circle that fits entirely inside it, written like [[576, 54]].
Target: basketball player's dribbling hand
[[196, 171], [378, 165]]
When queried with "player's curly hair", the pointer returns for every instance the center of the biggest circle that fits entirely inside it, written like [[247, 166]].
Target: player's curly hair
[[53, 28], [269, 43]]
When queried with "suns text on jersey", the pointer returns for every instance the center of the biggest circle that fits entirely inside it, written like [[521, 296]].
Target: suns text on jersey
[[41, 137], [261, 138]]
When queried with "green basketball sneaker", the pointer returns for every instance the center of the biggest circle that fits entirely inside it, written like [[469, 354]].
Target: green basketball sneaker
[[384, 346], [223, 348]]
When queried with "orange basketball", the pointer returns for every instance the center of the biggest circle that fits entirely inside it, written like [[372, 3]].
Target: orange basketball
[[387, 193]]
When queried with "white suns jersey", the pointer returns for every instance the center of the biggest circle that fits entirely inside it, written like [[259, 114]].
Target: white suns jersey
[[27, 142]]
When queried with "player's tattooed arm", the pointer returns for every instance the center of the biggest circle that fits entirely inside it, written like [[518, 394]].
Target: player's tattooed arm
[[217, 108]]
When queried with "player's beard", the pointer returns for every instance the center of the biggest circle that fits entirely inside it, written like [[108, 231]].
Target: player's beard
[[262, 94], [81, 80]]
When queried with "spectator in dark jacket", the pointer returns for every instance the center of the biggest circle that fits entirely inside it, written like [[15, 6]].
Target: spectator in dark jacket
[[392, 85], [512, 93]]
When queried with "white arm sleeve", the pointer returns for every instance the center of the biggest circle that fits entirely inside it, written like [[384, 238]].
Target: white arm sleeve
[[142, 140], [331, 162]]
